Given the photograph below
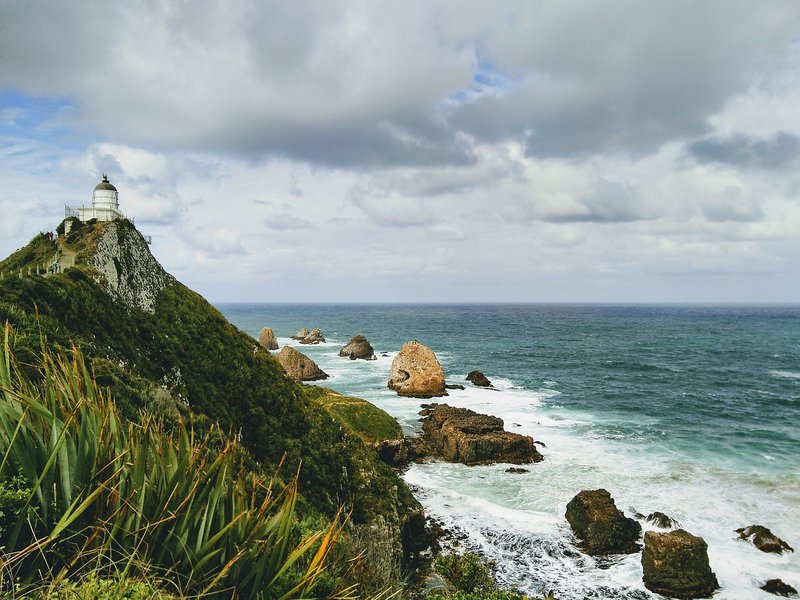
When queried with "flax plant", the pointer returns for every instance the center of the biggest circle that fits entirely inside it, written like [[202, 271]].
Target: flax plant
[[105, 491]]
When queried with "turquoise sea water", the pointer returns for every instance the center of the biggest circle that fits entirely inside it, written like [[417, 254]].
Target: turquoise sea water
[[693, 411]]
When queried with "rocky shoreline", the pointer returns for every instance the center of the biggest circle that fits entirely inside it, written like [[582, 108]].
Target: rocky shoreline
[[675, 562]]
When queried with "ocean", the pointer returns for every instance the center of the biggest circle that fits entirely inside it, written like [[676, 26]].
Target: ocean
[[689, 410]]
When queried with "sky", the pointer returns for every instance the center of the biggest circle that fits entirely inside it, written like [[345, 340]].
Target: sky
[[419, 151]]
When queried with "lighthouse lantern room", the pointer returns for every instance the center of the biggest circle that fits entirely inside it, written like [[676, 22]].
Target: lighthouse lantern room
[[105, 204]]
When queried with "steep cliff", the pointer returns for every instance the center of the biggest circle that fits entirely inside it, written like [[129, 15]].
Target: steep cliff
[[161, 347]]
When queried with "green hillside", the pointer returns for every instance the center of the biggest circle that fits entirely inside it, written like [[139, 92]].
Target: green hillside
[[177, 357]]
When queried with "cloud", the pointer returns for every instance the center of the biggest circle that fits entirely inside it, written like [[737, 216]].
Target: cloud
[[284, 221], [740, 150]]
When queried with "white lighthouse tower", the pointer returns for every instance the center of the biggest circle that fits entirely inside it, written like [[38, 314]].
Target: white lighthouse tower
[[105, 204]]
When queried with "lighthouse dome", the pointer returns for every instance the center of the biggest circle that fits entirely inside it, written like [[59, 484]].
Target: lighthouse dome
[[105, 185]]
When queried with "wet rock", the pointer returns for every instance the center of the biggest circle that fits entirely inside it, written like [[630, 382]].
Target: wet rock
[[779, 588], [462, 435], [301, 334], [675, 564], [479, 379], [416, 372], [267, 339], [313, 337], [516, 470], [763, 539], [358, 347], [600, 526], [299, 366], [661, 520], [453, 386]]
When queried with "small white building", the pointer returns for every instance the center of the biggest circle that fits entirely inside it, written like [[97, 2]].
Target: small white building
[[105, 204]]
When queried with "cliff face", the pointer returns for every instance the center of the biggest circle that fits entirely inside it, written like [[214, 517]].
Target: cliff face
[[128, 270]]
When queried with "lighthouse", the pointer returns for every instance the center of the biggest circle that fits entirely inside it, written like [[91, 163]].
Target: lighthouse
[[105, 204]]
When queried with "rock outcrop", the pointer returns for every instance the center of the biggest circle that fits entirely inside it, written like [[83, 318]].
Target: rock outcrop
[[299, 366], [661, 520], [416, 372], [462, 435], [779, 588], [313, 337], [125, 265], [675, 564], [764, 539], [358, 347], [600, 526], [267, 339], [479, 379], [301, 334]]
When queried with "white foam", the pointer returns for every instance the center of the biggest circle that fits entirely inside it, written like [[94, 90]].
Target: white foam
[[785, 374]]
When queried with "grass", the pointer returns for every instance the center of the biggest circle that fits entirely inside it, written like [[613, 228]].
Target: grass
[[101, 494], [364, 419]]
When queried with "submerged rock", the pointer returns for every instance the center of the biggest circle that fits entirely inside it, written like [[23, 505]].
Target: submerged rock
[[299, 366], [313, 337], [675, 564], [416, 372], [453, 386], [516, 470], [479, 379], [763, 539], [779, 588], [659, 519], [267, 339], [600, 526], [462, 435], [358, 347]]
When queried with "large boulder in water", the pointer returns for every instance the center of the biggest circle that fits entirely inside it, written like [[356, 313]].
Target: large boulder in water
[[299, 366], [358, 347], [675, 564], [416, 372], [764, 539], [600, 526], [462, 435], [267, 339], [313, 337], [479, 379]]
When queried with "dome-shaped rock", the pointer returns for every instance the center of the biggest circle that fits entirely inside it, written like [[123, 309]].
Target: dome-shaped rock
[[267, 339], [416, 372], [675, 564], [479, 379], [299, 366], [358, 347], [314, 337], [600, 526]]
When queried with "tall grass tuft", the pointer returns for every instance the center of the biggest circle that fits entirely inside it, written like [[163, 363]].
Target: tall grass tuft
[[102, 491]]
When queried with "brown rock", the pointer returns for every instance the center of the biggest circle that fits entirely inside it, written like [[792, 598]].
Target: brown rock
[[267, 339], [764, 539], [779, 588], [358, 347], [675, 564], [416, 372], [462, 435], [299, 366], [479, 379], [313, 337], [301, 334], [600, 526]]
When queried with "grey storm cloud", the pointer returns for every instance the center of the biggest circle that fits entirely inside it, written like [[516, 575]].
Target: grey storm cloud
[[391, 84], [740, 150]]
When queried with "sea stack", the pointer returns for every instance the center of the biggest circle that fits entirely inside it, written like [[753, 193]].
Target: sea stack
[[416, 372], [299, 366], [267, 339], [358, 347]]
